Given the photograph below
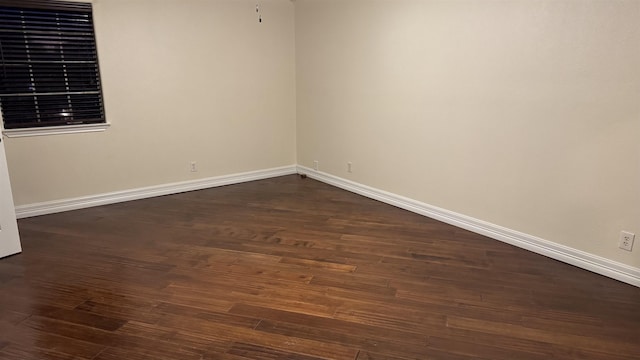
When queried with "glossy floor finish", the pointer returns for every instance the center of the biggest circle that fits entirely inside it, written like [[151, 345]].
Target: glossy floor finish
[[291, 268]]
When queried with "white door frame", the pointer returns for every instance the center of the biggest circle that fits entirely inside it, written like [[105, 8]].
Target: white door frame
[[9, 236]]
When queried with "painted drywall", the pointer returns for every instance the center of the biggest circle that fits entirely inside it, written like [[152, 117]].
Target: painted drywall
[[183, 80], [525, 114]]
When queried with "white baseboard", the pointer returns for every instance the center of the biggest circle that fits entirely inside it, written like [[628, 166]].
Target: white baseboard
[[581, 259], [55, 206], [594, 263]]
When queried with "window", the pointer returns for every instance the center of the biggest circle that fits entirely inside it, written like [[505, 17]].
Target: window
[[49, 75]]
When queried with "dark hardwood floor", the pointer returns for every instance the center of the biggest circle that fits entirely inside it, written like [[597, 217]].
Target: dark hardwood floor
[[286, 269]]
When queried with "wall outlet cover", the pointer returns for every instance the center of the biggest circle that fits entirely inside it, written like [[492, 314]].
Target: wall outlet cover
[[626, 240]]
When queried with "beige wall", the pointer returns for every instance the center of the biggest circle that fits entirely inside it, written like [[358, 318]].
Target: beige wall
[[525, 114], [183, 80]]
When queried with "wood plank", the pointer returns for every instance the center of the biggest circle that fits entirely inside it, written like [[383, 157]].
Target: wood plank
[[287, 268], [551, 335]]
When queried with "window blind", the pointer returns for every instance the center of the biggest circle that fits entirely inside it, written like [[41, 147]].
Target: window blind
[[49, 74]]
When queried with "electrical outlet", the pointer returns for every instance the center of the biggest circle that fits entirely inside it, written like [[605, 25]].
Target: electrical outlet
[[626, 240], [349, 167], [194, 166], [316, 165]]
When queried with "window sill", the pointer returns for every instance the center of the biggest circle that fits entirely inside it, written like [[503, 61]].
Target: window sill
[[55, 130]]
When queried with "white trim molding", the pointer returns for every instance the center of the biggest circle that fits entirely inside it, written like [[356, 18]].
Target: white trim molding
[[581, 259], [55, 130], [50, 207]]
